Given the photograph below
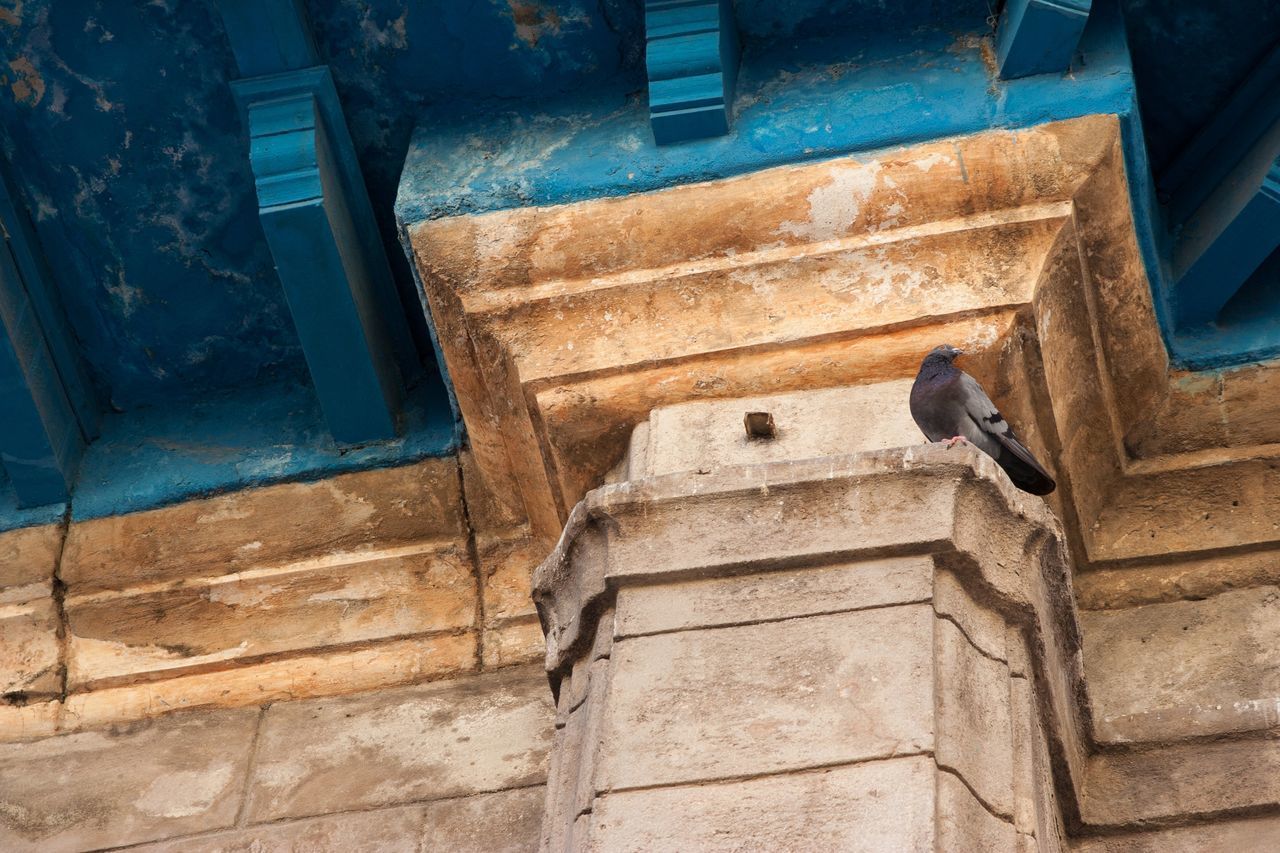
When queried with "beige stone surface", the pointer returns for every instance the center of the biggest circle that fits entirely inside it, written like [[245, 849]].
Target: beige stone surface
[[395, 830], [877, 807], [711, 704], [1161, 580], [982, 626], [269, 526], [514, 642], [1185, 669], [29, 554], [319, 674], [965, 824], [29, 650], [764, 596], [506, 566], [973, 725], [503, 822], [1251, 835], [466, 736], [178, 775], [349, 599], [537, 317], [810, 424], [1181, 781], [29, 721]]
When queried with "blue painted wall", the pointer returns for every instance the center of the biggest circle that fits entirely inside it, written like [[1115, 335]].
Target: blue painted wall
[[118, 121], [798, 99]]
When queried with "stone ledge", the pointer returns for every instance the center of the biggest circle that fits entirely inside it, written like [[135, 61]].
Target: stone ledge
[[564, 327]]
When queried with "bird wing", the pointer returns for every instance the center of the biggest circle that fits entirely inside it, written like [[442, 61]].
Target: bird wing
[[991, 429]]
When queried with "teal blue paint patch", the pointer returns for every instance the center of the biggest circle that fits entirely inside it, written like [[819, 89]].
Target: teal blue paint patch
[[1039, 36], [1212, 278], [164, 455], [14, 517], [692, 60], [268, 36], [795, 103]]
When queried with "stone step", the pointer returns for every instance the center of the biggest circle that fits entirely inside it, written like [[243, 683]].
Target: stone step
[[1183, 670]]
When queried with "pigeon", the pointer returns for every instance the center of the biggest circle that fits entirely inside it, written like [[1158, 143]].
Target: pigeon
[[947, 403]]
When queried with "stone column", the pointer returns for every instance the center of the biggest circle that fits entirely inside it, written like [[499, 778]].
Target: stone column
[[770, 644]]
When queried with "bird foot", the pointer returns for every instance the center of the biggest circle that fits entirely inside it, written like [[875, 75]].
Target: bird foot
[[952, 442]]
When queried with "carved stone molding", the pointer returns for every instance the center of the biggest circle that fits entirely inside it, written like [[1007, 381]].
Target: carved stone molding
[[564, 326]]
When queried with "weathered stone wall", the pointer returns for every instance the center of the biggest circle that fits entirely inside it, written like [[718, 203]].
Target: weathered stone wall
[[732, 660], [361, 581], [458, 764]]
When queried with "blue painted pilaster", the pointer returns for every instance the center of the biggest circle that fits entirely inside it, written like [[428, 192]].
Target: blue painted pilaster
[[692, 55], [319, 223], [1039, 36], [1223, 268]]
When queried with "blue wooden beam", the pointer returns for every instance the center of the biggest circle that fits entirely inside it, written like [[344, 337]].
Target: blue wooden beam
[[319, 224], [316, 215], [268, 36], [1236, 129], [692, 55], [1221, 269], [1038, 36]]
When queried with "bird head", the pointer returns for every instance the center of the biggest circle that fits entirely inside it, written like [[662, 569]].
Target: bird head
[[946, 352]]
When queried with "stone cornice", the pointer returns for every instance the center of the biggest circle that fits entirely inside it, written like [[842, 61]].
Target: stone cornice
[[564, 326]]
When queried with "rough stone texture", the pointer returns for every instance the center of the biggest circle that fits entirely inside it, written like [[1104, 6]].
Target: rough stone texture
[[254, 614], [564, 326], [503, 822], [29, 555], [878, 806], [174, 776], [507, 569], [396, 830], [270, 526], [447, 739], [1257, 835], [773, 595], [1185, 669], [514, 642], [320, 674], [975, 736], [29, 654], [1181, 781], [738, 668], [965, 824], [28, 722], [711, 704], [828, 422]]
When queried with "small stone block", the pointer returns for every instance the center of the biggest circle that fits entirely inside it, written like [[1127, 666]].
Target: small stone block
[[760, 425]]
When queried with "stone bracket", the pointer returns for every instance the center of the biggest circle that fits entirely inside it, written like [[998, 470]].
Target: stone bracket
[[1039, 36], [319, 224], [692, 55]]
